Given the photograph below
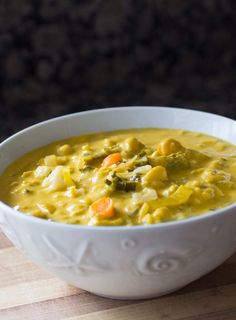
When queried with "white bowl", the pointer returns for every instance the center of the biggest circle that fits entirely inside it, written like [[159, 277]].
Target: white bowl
[[122, 262]]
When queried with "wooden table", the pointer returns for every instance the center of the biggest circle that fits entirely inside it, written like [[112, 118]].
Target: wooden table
[[28, 293]]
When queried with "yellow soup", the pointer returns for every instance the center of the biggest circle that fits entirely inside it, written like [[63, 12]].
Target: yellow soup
[[128, 177]]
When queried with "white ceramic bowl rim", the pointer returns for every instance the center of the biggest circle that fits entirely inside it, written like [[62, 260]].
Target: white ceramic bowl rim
[[172, 224]]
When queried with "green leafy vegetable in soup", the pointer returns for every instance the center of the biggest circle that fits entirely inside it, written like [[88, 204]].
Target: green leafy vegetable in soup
[[129, 177]]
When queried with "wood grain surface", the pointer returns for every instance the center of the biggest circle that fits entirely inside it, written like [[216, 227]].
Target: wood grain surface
[[28, 292]]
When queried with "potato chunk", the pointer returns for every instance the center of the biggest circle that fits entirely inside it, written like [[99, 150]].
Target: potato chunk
[[169, 146]]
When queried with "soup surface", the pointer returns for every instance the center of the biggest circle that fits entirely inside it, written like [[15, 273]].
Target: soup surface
[[128, 177]]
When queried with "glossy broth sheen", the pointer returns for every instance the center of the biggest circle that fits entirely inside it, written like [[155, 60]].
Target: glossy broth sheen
[[128, 177]]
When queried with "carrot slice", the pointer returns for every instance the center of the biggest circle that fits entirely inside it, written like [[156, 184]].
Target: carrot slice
[[111, 159], [103, 207]]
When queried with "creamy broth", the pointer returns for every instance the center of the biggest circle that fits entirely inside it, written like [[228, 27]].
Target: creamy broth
[[128, 177]]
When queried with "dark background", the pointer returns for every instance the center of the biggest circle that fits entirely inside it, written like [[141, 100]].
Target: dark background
[[63, 56]]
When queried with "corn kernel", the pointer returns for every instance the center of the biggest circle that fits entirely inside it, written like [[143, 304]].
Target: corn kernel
[[50, 160], [147, 219], [62, 160], [46, 207], [71, 192], [221, 147], [208, 194], [64, 150], [26, 174], [143, 210], [160, 214], [85, 147], [67, 178], [109, 142], [39, 214]]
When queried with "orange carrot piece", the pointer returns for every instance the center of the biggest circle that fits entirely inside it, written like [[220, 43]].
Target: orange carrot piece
[[103, 207], [111, 159]]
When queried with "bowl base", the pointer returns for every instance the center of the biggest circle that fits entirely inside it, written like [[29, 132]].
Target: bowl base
[[145, 297]]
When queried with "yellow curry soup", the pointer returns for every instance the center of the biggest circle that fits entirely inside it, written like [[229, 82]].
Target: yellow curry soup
[[128, 177]]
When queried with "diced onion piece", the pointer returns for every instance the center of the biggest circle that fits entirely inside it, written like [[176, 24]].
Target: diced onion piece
[[143, 169], [72, 192], [55, 181], [147, 194], [95, 178], [75, 208], [42, 171]]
